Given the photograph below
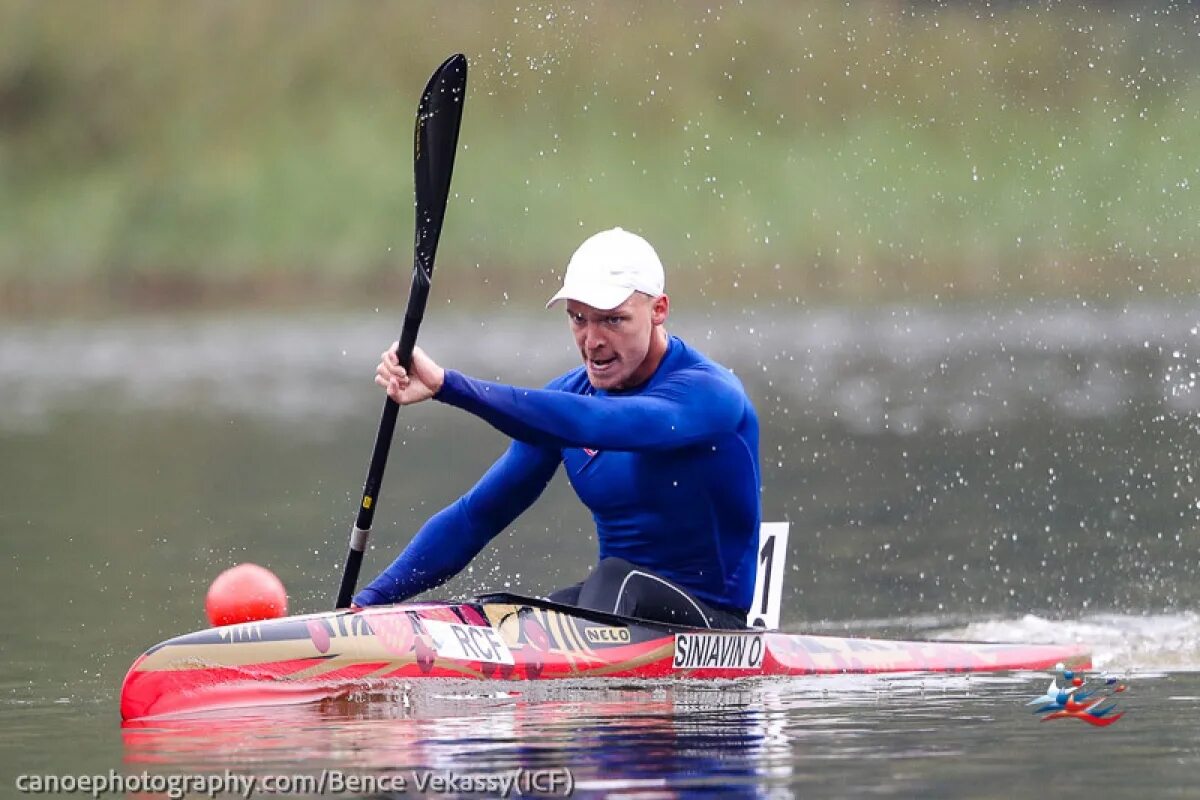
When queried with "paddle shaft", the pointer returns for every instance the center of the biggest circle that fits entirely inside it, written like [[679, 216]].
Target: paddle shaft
[[439, 117], [359, 535]]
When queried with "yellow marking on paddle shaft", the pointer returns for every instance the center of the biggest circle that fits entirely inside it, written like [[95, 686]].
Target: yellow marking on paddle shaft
[[367, 501]]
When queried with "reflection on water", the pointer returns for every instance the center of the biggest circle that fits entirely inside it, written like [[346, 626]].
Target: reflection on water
[[611, 739], [738, 739], [907, 735]]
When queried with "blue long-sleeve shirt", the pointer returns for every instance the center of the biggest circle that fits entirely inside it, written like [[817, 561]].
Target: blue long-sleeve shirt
[[669, 470]]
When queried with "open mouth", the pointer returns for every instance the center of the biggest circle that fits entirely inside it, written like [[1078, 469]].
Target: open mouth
[[601, 364]]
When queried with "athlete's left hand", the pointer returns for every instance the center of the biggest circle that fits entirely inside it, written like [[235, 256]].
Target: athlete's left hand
[[406, 388]]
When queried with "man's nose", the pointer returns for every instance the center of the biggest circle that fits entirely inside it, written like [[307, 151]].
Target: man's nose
[[594, 336]]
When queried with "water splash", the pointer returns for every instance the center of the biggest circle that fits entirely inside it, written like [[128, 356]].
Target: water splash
[[1121, 642]]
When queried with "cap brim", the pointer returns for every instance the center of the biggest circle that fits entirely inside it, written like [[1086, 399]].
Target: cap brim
[[597, 295]]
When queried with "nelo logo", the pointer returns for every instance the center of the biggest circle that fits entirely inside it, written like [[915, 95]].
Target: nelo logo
[[607, 635]]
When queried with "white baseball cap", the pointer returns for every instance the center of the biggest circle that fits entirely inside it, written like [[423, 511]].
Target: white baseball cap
[[608, 268]]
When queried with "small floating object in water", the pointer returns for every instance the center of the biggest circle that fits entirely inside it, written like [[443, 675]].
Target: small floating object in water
[[245, 593], [1078, 703]]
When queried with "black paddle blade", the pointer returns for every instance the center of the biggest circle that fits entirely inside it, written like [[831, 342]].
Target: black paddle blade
[[439, 118], [435, 141]]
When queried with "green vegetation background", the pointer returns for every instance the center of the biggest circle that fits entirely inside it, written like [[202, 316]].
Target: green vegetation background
[[225, 151]]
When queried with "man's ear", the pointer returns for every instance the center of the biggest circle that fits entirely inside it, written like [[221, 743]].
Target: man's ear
[[660, 309]]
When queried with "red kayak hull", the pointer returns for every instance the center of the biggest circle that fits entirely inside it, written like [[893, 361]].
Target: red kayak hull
[[506, 637]]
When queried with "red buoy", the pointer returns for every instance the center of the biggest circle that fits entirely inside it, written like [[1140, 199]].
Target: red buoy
[[245, 593]]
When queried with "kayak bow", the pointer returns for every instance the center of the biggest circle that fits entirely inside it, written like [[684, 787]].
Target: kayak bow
[[508, 637]]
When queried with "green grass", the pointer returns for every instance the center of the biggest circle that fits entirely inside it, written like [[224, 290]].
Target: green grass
[[771, 151]]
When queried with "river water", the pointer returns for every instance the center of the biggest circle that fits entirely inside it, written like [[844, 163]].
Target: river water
[[1025, 474]]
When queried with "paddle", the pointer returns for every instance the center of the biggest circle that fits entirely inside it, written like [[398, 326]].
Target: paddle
[[439, 117]]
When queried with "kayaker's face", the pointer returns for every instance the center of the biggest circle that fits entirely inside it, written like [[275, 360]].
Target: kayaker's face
[[618, 344]]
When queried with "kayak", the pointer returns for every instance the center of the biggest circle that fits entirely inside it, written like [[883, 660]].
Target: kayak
[[507, 637]]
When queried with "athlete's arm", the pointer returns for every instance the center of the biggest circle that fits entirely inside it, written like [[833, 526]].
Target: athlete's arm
[[690, 406], [453, 536]]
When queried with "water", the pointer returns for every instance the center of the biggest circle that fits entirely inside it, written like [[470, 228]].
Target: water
[[1019, 475], [906, 737]]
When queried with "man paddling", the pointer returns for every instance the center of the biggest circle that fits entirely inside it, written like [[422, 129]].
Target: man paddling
[[658, 441]]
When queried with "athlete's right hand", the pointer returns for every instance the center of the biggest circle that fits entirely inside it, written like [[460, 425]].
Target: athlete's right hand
[[406, 388]]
